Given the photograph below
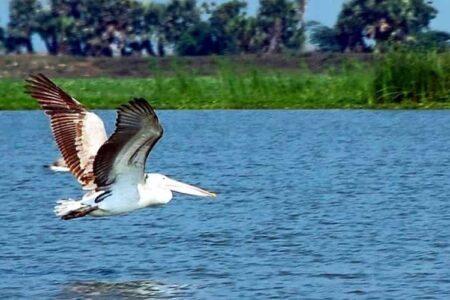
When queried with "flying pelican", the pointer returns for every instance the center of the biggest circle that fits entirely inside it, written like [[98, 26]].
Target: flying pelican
[[110, 170]]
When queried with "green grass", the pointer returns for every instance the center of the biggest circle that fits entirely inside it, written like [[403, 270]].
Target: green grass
[[227, 90], [351, 85]]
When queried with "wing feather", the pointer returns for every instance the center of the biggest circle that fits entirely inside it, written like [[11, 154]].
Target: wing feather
[[124, 154], [78, 133]]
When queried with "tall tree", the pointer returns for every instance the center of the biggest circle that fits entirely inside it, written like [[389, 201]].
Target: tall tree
[[227, 21], [178, 16], [60, 27], [234, 31], [382, 20], [280, 21], [251, 38], [22, 16], [153, 28]]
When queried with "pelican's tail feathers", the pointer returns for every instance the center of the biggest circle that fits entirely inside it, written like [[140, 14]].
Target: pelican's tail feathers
[[68, 209]]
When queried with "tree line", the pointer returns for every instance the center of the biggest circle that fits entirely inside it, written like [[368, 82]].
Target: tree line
[[380, 25], [188, 27], [128, 27]]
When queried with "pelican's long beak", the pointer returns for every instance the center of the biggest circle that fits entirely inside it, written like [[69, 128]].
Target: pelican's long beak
[[184, 188]]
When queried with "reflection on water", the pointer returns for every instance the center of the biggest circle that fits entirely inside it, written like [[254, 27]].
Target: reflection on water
[[138, 289]]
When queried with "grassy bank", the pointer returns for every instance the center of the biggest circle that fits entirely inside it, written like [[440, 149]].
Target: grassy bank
[[224, 91], [416, 82]]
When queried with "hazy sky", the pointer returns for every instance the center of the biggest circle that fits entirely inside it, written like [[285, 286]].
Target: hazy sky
[[324, 11]]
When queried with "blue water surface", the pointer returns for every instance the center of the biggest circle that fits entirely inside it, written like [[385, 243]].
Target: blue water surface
[[312, 205]]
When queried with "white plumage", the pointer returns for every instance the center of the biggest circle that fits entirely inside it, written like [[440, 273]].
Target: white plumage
[[110, 170]]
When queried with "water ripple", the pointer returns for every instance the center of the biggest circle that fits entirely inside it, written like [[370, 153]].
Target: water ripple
[[312, 205]]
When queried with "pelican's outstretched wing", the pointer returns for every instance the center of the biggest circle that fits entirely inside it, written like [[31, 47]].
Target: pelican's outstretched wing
[[78, 132], [123, 156]]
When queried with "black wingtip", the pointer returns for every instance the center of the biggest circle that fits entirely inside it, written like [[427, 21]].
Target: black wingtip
[[36, 80], [138, 105], [39, 77]]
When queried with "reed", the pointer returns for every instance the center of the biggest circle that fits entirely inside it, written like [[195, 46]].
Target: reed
[[412, 76]]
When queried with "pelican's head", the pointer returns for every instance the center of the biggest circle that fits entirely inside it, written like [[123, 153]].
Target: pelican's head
[[168, 185]]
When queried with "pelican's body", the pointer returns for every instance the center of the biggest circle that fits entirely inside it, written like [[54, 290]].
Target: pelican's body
[[110, 170], [155, 191]]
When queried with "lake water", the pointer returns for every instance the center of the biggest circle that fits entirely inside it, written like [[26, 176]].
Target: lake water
[[312, 205]]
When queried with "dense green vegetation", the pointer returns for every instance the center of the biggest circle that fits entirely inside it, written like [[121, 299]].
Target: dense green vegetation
[[418, 77], [395, 80]]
